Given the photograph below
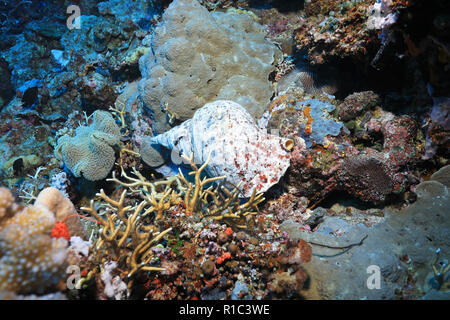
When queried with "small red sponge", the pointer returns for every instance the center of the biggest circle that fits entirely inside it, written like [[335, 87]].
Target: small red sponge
[[60, 230]]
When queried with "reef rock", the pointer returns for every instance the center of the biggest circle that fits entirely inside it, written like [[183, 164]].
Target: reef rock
[[198, 57], [356, 104], [239, 149], [437, 138], [401, 246]]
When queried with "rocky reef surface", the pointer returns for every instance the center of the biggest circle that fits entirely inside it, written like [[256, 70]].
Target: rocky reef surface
[[224, 149]]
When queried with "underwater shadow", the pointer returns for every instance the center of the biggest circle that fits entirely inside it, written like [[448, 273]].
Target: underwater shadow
[[281, 5]]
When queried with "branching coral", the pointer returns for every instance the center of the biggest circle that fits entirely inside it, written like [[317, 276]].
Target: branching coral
[[126, 234], [195, 191], [226, 205], [440, 275], [120, 113], [151, 191], [129, 234], [161, 205], [162, 195]]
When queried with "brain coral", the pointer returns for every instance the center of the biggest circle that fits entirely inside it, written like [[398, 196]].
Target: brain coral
[[198, 57], [90, 152], [30, 260]]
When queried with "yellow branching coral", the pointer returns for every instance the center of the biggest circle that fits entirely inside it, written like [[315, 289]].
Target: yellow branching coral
[[195, 191], [30, 260], [172, 116], [120, 114], [128, 234], [227, 207], [125, 234], [141, 184], [440, 272], [162, 195], [168, 200]]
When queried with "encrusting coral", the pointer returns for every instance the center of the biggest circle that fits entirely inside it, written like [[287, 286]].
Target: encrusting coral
[[90, 153]]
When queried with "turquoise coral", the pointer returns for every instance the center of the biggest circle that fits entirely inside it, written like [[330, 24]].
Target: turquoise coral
[[90, 153]]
